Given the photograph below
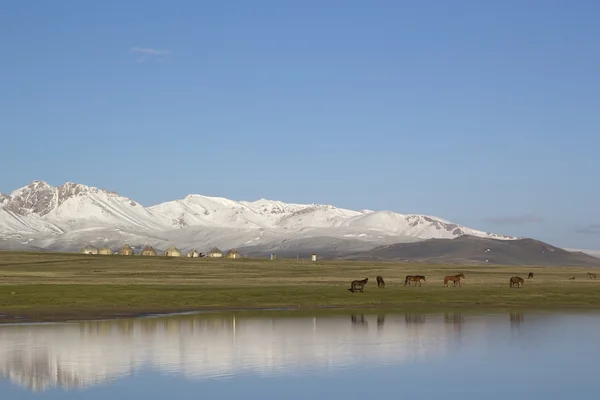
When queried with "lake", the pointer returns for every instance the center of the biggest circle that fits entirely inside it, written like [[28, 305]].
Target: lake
[[452, 355]]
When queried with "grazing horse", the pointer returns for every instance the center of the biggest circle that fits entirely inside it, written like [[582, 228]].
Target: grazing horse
[[414, 278], [530, 276], [453, 278], [355, 284], [380, 282], [591, 276], [572, 278], [516, 281]]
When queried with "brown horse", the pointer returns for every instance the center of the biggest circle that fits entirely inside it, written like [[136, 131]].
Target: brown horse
[[530, 276], [355, 284], [414, 278], [418, 279], [591, 276], [380, 282], [453, 278], [516, 281], [572, 278]]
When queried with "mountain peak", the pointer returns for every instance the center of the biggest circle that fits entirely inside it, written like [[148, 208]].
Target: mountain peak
[[38, 182], [32, 186], [37, 198], [40, 198]]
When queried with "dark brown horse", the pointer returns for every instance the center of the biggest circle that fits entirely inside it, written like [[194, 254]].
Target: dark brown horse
[[530, 276], [358, 284], [572, 278], [380, 282], [515, 281], [591, 276], [453, 278]]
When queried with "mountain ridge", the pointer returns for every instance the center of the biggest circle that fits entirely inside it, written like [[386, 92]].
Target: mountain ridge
[[68, 217], [72, 206]]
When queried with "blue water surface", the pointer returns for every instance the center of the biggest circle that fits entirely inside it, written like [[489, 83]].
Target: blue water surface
[[446, 355]]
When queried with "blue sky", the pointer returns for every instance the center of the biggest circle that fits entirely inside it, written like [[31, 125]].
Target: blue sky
[[484, 113]]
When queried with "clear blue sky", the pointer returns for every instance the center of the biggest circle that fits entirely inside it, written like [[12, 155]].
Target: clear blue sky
[[484, 113]]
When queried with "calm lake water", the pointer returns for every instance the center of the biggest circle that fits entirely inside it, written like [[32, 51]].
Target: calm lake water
[[353, 356]]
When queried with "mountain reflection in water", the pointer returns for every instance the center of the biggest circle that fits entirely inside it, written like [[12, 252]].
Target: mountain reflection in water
[[42, 356]]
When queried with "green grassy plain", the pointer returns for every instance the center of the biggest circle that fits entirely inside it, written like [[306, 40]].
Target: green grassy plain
[[61, 286]]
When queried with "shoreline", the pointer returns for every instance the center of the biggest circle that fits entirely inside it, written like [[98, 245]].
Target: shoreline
[[14, 317]]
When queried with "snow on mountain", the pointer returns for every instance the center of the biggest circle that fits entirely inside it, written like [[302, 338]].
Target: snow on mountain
[[21, 211], [197, 210], [417, 226], [275, 208], [318, 216], [85, 207], [11, 223], [73, 215], [75, 206], [36, 198]]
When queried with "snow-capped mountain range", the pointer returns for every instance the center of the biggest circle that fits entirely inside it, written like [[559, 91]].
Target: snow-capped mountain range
[[70, 216]]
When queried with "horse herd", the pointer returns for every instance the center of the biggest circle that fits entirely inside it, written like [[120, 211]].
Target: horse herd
[[514, 281]]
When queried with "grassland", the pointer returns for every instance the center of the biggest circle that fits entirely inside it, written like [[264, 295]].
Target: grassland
[[59, 286]]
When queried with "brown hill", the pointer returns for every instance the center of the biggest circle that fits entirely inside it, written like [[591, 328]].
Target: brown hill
[[474, 250]]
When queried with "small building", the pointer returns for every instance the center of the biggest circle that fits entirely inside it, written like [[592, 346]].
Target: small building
[[173, 252], [314, 257], [105, 251], [126, 250], [214, 253], [149, 251], [233, 253], [89, 250], [193, 253]]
